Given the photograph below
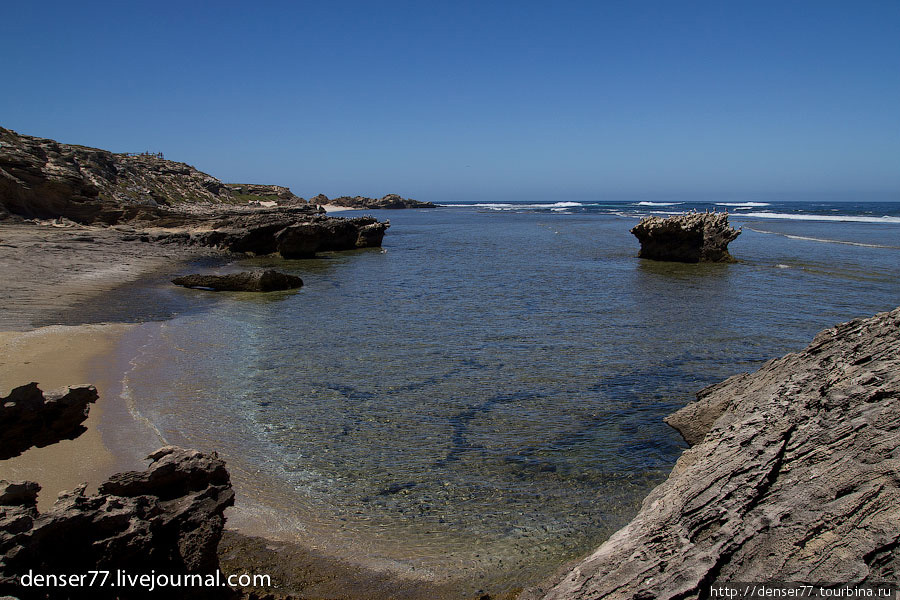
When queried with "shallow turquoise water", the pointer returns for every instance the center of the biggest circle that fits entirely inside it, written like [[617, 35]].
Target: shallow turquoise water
[[483, 396]]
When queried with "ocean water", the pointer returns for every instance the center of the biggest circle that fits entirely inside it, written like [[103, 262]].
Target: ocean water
[[482, 398]]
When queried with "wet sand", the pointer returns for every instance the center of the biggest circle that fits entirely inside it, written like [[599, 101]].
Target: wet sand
[[51, 268]]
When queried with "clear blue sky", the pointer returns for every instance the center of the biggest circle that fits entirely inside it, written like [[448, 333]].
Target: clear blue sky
[[473, 100]]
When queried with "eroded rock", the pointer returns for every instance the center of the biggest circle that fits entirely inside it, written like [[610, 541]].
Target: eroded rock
[[691, 237], [793, 477], [168, 519], [248, 281], [42, 178], [28, 417]]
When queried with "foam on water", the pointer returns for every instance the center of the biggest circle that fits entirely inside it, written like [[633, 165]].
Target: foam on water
[[824, 240], [887, 219]]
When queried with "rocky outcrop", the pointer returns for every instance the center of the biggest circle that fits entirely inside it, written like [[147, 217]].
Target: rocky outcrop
[[793, 477], [298, 232], [28, 417], [691, 237], [167, 201], [252, 192], [167, 519], [390, 201], [248, 281], [42, 178], [324, 234]]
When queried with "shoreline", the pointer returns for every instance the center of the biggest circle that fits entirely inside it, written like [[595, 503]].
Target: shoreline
[[61, 269], [57, 356]]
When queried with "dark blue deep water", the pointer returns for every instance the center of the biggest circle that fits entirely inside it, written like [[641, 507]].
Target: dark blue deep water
[[485, 394]]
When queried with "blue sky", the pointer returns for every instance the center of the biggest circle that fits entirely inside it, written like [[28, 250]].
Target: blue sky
[[474, 100]]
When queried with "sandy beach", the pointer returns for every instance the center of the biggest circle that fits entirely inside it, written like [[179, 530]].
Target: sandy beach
[[56, 266], [333, 208], [55, 357]]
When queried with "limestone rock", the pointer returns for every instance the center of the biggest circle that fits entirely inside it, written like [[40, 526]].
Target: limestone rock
[[390, 201], [29, 418], [691, 237], [793, 477], [167, 519], [323, 234], [42, 178], [248, 281], [167, 201], [253, 192], [294, 232]]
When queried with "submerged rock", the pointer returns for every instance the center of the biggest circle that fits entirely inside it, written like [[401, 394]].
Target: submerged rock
[[691, 237], [28, 417], [167, 519], [793, 476], [255, 281]]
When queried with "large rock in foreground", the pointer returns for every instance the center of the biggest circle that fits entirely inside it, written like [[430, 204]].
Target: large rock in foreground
[[692, 237], [28, 417], [167, 519], [794, 477], [248, 281]]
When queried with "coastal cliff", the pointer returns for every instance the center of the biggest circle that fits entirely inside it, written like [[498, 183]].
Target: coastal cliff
[[159, 200], [792, 477], [42, 178]]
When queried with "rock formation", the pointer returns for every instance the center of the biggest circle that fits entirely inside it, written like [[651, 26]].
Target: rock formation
[[252, 192], [691, 237], [292, 232], [29, 418], [793, 476], [248, 281], [390, 201], [167, 519], [167, 201], [42, 178]]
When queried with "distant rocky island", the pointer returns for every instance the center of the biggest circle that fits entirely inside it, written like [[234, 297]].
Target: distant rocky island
[[390, 201]]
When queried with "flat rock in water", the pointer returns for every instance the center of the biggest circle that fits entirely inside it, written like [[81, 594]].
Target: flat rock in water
[[248, 281], [792, 476]]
